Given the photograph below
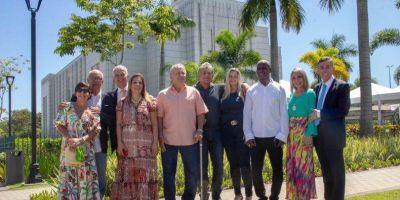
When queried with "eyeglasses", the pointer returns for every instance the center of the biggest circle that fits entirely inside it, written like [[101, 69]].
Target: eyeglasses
[[84, 90]]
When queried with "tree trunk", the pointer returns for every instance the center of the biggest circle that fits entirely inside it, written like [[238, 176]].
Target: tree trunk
[[273, 29], [162, 65], [366, 117]]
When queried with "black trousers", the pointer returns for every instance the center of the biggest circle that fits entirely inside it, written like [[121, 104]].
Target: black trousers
[[333, 171], [215, 149], [275, 155], [239, 158]]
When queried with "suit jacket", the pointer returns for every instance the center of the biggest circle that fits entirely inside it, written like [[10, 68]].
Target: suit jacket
[[332, 127], [108, 121]]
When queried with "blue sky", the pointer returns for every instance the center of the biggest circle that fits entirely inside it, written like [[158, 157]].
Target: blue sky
[[53, 14]]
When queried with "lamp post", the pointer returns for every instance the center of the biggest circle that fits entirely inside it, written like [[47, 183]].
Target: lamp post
[[390, 78], [10, 82], [34, 175]]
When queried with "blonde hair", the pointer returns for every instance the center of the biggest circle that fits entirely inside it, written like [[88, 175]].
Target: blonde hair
[[227, 90], [120, 68], [302, 73], [205, 65]]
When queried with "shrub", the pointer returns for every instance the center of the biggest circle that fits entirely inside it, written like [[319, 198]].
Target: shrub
[[44, 195]]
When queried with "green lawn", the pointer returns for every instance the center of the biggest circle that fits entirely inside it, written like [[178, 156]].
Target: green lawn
[[388, 195]]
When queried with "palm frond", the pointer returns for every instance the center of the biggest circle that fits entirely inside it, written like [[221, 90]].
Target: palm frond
[[385, 37], [253, 10], [292, 15], [331, 5], [319, 43]]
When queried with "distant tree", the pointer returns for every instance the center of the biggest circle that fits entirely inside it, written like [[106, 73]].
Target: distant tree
[[311, 58], [356, 83], [105, 29], [9, 66], [233, 52], [338, 41], [20, 122], [396, 74]]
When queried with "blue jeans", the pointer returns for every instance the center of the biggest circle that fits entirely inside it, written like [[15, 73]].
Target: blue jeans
[[190, 158], [101, 164], [215, 148]]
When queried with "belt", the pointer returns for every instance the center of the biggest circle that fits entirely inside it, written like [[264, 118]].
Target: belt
[[234, 122]]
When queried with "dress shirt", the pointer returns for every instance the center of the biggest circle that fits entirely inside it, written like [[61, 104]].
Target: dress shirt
[[95, 101], [120, 93], [328, 85], [179, 111], [265, 112]]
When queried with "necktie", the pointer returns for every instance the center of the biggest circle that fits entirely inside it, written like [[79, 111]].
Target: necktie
[[320, 101], [122, 94]]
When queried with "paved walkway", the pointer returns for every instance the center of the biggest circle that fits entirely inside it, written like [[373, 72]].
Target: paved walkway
[[357, 183]]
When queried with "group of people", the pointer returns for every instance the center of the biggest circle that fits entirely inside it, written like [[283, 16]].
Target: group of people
[[200, 122]]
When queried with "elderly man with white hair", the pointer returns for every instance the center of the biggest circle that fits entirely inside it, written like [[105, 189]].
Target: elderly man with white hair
[[181, 112]]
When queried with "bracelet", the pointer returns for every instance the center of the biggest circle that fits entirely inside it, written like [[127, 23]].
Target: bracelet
[[200, 130]]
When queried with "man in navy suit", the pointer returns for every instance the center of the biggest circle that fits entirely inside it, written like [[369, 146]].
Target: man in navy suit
[[333, 104], [108, 106]]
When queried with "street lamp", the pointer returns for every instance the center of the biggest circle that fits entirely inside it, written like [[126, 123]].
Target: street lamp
[[390, 78], [10, 82], [34, 175]]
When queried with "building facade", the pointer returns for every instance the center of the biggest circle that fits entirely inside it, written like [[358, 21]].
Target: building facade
[[210, 16]]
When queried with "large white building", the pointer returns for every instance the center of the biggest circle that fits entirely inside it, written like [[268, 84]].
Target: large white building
[[210, 16]]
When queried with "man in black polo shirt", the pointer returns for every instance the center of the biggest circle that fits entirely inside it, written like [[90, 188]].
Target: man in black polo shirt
[[211, 94]]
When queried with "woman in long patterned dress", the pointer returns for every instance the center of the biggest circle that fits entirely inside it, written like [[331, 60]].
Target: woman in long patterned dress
[[238, 154], [78, 126], [300, 183], [136, 176]]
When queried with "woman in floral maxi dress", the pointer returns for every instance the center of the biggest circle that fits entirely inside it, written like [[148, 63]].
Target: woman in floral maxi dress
[[79, 126], [300, 184], [136, 176]]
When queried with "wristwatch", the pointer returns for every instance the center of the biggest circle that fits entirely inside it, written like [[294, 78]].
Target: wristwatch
[[199, 130]]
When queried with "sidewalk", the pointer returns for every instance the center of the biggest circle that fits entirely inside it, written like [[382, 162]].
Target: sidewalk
[[357, 183]]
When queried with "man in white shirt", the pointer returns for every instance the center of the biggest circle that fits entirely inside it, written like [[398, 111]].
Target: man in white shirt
[[95, 80], [265, 125]]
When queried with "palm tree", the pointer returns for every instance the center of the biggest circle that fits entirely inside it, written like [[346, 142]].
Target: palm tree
[[233, 52], [166, 24], [366, 116], [292, 17], [396, 75], [312, 58], [338, 41], [390, 36]]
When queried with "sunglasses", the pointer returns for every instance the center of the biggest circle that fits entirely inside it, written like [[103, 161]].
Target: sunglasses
[[84, 90]]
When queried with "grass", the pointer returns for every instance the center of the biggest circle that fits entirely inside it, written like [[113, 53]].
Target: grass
[[387, 195]]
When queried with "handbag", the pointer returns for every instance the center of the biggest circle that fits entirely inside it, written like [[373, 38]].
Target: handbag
[[74, 158]]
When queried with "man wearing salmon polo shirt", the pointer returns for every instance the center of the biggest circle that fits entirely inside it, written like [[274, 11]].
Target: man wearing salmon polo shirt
[[181, 112]]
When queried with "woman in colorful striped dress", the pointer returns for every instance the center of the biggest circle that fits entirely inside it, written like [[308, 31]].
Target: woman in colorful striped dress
[[300, 183]]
